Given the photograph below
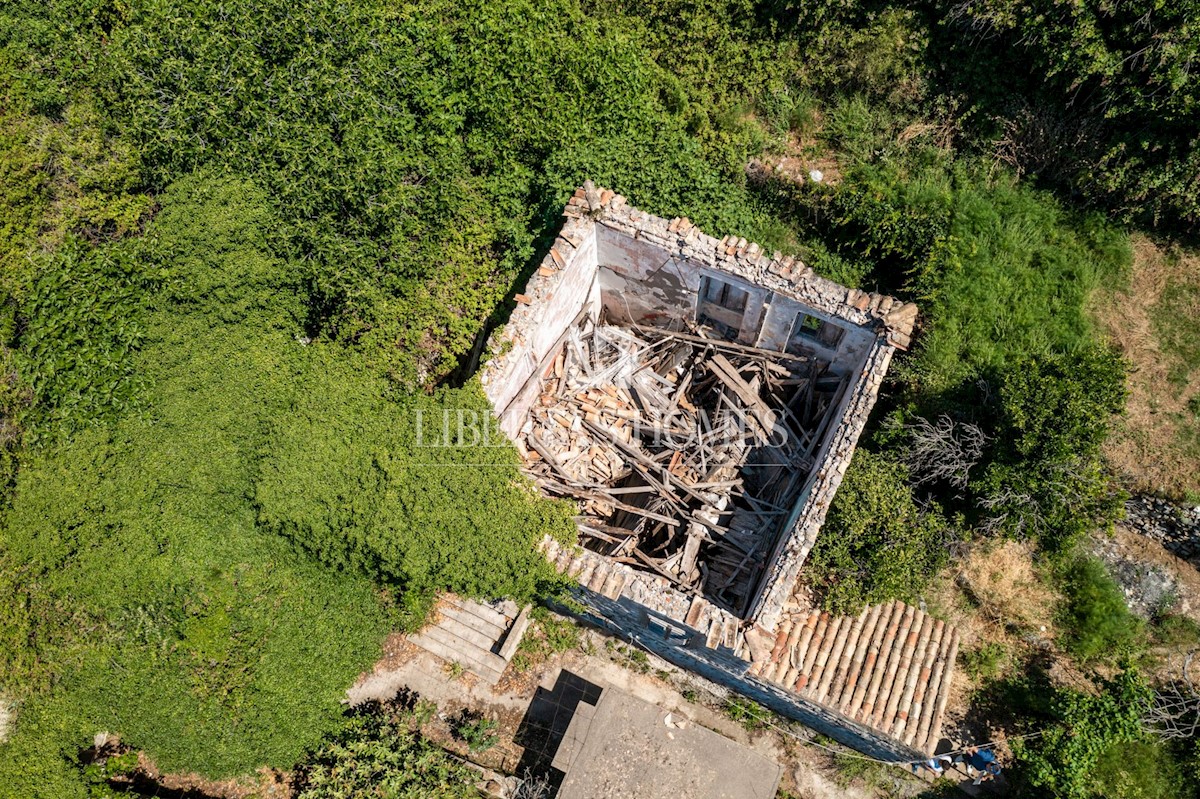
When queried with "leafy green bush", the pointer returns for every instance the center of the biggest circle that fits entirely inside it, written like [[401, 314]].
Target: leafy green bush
[[1096, 619], [141, 551], [1083, 733], [84, 324], [415, 163], [876, 544], [1127, 138], [1139, 770], [377, 753], [476, 731], [1044, 476]]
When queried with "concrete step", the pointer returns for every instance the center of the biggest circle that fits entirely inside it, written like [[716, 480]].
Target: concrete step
[[452, 649], [483, 611], [489, 630], [576, 734], [467, 629]]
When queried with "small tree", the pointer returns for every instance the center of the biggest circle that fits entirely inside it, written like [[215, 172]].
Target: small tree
[[1045, 479]]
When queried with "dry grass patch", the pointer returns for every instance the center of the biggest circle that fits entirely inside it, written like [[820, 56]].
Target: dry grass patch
[[1004, 585], [1155, 322]]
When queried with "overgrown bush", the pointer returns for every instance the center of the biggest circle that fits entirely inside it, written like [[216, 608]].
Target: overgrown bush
[[1082, 734], [1044, 477], [876, 544], [1097, 97], [142, 553], [377, 753], [1096, 619]]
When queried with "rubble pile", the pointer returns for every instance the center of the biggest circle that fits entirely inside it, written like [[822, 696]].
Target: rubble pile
[[685, 452]]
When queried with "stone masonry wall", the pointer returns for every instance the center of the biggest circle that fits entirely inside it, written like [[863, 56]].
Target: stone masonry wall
[[834, 459], [563, 285], [1176, 527], [554, 296]]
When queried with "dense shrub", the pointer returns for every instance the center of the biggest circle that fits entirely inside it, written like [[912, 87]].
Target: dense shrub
[[1096, 96], [376, 752], [415, 163], [1044, 476], [151, 599], [84, 324], [1082, 734], [877, 544], [1096, 618]]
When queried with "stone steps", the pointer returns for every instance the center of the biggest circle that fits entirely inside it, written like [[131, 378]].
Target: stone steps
[[471, 633], [452, 649], [487, 628], [889, 668]]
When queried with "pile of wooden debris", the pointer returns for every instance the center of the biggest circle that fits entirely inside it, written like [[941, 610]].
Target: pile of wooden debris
[[686, 453]]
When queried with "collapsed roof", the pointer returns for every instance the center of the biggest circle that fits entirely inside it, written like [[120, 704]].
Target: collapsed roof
[[700, 400]]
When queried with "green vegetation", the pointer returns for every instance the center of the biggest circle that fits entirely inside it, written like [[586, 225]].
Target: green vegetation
[[1126, 140], [477, 732], [746, 712], [1093, 746], [546, 636], [154, 598], [248, 244], [1096, 618], [876, 543], [1138, 770], [379, 751], [985, 662]]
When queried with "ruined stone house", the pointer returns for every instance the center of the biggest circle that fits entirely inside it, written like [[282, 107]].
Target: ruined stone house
[[700, 399]]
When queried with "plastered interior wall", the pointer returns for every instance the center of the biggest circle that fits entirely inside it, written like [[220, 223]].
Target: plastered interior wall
[[780, 318], [554, 299], [643, 284]]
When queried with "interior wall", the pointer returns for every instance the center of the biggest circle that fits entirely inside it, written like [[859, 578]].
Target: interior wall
[[553, 299], [642, 284], [780, 317]]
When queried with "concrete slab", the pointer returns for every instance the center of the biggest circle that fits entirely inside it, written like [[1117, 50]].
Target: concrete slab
[[634, 748]]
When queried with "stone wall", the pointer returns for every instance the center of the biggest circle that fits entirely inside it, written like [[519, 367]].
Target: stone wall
[[788, 277], [643, 268], [563, 287], [833, 459], [604, 239], [1176, 527]]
